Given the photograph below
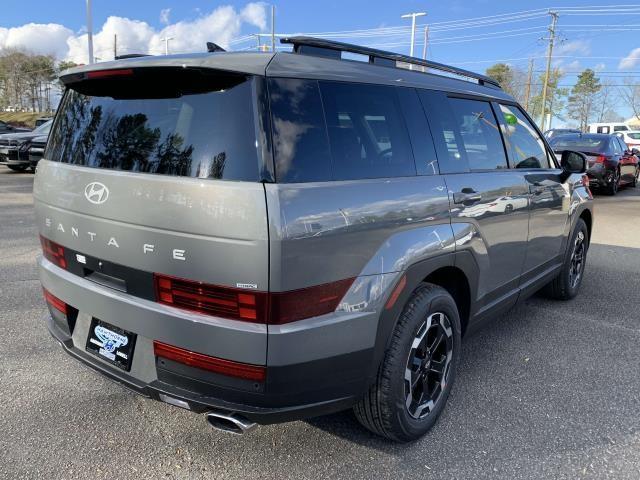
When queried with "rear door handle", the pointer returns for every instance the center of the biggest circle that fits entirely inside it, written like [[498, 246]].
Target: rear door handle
[[467, 196]]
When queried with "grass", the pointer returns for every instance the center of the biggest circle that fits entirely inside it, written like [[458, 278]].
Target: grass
[[22, 119]]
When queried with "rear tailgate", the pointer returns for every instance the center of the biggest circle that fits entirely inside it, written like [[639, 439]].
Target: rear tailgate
[[158, 171], [207, 230]]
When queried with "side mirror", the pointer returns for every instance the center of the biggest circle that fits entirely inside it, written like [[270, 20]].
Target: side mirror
[[573, 162], [635, 151]]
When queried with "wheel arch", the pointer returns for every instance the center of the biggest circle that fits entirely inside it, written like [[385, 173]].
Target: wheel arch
[[456, 272]]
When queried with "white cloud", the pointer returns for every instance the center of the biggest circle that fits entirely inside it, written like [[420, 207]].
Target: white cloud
[[630, 61], [45, 39], [164, 16], [600, 67], [255, 14], [134, 36]]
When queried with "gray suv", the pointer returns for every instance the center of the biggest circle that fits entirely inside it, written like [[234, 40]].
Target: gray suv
[[269, 237]]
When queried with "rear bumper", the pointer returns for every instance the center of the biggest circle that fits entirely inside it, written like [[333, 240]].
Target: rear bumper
[[313, 368], [599, 176], [196, 402]]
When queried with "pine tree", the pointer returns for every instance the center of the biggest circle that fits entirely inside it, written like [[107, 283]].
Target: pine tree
[[581, 100]]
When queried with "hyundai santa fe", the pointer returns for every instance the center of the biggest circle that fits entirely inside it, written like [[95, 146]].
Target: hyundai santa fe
[[268, 237]]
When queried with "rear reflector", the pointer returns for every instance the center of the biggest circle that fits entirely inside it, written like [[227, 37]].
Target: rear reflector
[[123, 72], [54, 301], [393, 298], [247, 305], [53, 252], [230, 368]]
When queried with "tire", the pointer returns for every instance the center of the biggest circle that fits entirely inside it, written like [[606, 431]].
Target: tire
[[565, 286], [385, 408], [612, 187], [17, 168]]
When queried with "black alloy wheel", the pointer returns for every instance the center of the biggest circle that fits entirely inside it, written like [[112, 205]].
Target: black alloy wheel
[[576, 265], [428, 365]]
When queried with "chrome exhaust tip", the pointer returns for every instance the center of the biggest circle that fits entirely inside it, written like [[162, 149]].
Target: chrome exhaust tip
[[230, 422]]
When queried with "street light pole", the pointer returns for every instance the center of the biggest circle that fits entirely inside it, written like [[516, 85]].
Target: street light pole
[[89, 32], [413, 17], [166, 44]]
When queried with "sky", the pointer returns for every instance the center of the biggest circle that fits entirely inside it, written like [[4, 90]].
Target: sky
[[473, 34]]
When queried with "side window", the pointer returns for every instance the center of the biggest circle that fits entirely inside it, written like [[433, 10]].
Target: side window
[[367, 132], [616, 146], [623, 144], [300, 144], [526, 148], [475, 135], [620, 128], [602, 130]]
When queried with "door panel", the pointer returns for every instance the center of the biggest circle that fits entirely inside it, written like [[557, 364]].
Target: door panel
[[549, 197], [549, 214], [501, 218]]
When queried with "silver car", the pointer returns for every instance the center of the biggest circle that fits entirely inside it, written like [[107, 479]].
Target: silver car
[[267, 237]]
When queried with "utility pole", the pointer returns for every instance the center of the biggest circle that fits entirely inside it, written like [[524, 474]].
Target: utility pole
[[545, 86], [89, 32], [115, 46], [527, 93], [273, 28], [413, 17], [426, 41], [166, 44]]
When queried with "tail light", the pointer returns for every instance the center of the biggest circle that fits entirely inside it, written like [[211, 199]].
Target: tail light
[[230, 368], [601, 159], [53, 252], [54, 301], [211, 299], [286, 307], [251, 306]]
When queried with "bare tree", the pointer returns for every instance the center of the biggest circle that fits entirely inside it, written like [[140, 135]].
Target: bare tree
[[630, 93], [606, 101]]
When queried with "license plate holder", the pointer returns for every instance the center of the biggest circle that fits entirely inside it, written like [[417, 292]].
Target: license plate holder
[[111, 344]]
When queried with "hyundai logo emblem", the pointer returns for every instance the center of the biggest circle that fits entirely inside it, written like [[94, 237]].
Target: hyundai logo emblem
[[96, 192]]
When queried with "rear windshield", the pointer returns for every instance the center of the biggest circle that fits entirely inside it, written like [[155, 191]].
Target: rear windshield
[[579, 143], [168, 123]]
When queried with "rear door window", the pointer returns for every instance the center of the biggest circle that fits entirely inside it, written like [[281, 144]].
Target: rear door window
[[525, 146], [188, 124], [367, 132], [466, 132], [339, 131]]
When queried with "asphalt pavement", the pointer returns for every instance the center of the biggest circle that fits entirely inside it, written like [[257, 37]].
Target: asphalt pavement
[[549, 390]]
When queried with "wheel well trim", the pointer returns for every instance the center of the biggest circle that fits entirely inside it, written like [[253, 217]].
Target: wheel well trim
[[415, 274]]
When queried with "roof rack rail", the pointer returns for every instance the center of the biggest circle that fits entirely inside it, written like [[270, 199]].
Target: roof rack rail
[[328, 48]]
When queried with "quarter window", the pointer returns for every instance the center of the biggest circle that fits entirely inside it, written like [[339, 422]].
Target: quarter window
[[299, 136], [526, 148]]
